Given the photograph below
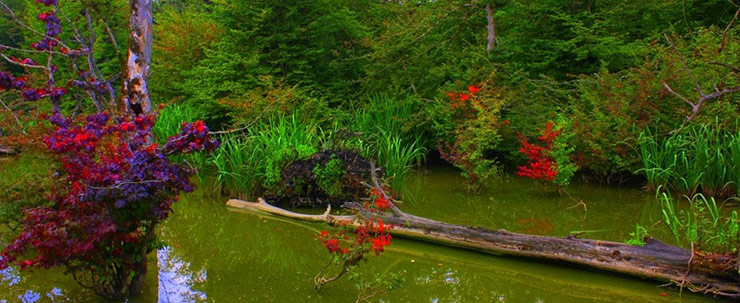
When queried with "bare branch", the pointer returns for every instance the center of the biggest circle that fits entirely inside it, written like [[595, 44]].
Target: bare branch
[[93, 66], [376, 184], [17, 21], [17, 121], [685, 66], [4, 47], [733, 68], [696, 106], [20, 63], [111, 37], [727, 29]]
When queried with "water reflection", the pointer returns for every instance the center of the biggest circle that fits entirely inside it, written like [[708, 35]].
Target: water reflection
[[177, 279], [11, 277], [215, 255]]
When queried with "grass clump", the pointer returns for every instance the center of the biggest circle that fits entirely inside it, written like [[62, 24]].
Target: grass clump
[[251, 165], [700, 159], [387, 130], [637, 238], [702, 224], [169, 123]]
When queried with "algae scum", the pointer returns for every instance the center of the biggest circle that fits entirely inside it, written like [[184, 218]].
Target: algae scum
[[217, 255]]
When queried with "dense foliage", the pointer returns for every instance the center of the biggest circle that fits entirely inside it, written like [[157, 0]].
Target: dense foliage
[[114, 187], [599, 67], [304, 94], [586, 63]]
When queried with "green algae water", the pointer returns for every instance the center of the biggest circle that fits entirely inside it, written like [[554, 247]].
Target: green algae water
[[214, 254]]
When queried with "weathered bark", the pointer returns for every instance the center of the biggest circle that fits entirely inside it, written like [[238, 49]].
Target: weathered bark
[[655, 260], [135, 95], [491, 29], [7, 150]]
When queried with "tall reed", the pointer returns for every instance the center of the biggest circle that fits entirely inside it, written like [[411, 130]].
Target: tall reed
[[703, 223], [387, 132], [398, 157], [249, 165], [703, 158]]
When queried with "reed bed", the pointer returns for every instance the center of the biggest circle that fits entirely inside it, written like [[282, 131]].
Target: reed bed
[[700, 159], [701, 222]]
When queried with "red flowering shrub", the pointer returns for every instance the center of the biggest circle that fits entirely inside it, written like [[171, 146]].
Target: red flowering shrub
[[114, 187], [470, 125], [541, 165], [549, 162], [354, 239]]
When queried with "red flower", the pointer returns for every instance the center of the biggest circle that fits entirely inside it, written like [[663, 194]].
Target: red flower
[[382, 203], [473, 89], [332, 245], [541, 165], [464, 97], [200, 126], [379, 243], [25, 264]]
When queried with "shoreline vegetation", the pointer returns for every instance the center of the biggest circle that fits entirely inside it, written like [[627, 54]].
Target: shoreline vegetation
[[320, 104]]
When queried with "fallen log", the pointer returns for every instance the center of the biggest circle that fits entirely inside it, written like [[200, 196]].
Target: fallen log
[[655, 260], [7, 150]]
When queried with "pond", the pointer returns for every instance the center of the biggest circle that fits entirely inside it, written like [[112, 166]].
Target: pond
[[214, 254]]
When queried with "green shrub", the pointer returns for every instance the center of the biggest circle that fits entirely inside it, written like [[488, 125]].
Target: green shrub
[[329, 177], [468, 124], [561, 152], [24, 183]]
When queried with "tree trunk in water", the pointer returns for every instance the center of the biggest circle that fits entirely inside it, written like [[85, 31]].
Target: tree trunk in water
[[140, 269], [656, 260], [135, 95], [139, 277]]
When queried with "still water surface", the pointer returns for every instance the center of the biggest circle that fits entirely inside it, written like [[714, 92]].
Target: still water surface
[[217, 255]]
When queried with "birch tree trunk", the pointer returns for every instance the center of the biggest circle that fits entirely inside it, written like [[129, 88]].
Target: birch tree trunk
[[135, 95]]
